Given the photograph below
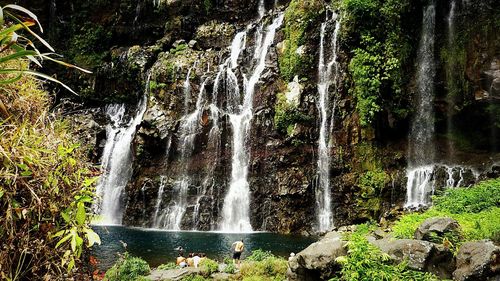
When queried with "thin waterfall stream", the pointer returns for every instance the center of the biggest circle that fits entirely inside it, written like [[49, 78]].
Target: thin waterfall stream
[[117, 162], [328, 72], [421, 152]]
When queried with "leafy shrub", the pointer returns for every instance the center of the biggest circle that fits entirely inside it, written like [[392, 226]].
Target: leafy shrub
[[46, 188], [381, 50], [267, 268], [230, 268], [286, 115], [209, 266], [483, 196], [366, 262], [260, 255], [170, 265], [372, 182], [127, 269]]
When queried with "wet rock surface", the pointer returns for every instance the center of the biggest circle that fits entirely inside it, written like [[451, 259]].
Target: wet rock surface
[[478, 260], [317, 262]]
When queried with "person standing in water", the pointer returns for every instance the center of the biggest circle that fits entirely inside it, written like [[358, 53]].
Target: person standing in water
[[238, 249]]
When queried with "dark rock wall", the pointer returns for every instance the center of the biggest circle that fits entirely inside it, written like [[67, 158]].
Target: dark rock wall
[[124, 41]]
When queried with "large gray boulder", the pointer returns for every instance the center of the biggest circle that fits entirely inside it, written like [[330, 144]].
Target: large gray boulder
[[479, 260], [433, 228], [317, 262], [421, 255]]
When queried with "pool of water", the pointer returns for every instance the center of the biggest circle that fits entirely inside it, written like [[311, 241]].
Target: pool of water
[[158, 246]]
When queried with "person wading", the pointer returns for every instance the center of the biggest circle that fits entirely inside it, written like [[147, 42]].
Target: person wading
[[238, 249]]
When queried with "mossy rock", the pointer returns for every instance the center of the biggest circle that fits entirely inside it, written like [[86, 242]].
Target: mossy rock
[[299, 17]]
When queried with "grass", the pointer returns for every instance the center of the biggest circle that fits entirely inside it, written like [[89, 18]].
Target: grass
[[127, 269], [476, 209]]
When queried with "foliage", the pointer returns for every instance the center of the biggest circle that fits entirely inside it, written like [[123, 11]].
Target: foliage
[[15, 47], [194, 278], [367, 262], [372, 182], [179, 48], [230, 268], [483, 196], [287, 115], [475, 209], [168, 266], [262, 265], [45, 190], [87, 44], [298, 16], [208, 266], [127, 269], [380, 53], [259, 255]]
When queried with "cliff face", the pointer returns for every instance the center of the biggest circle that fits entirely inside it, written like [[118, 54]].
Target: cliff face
[[181, 45]]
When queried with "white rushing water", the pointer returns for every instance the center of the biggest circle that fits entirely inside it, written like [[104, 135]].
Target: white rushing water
[[421, 147], [189, 126], [327, 76], [235, 211], [117, 162], [161, 189]]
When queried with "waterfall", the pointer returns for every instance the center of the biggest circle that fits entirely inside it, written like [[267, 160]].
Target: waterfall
[[421, 147], [189, 126], [450, 69], [161, 189], [117, 162], [235, 211], [327, 76]]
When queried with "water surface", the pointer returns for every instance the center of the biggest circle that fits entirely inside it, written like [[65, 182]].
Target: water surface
[[158, 246]]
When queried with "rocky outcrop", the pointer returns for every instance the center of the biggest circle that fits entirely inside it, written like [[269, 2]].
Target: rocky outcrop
[[434, 228], [317, 262], [421, 255], [478, 261]]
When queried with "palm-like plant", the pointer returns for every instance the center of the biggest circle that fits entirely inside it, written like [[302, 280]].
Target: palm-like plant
[[14, 21]]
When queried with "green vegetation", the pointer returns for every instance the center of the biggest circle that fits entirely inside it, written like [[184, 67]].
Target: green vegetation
[[88, 44], [170, 265], [208, 5], [262, 265], [230, 268], [366, 262], [287, 115], [17, 48], [127, 269], [178, 49], [380, 53], [298, 16], [476, 209], [372, 182], [208, 267], [46, 184], [194, 278]]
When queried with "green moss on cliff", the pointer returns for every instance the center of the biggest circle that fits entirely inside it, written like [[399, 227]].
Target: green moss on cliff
[[298, 16], [287, 115]]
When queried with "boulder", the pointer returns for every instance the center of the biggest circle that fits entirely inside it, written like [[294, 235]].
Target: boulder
[[479, 260], [421, 255], [433, 228], [317, 262]]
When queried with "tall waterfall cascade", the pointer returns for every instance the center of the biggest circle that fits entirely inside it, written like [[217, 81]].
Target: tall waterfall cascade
[[328, 73], [421, 148], [236, 208], [117, 162]]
